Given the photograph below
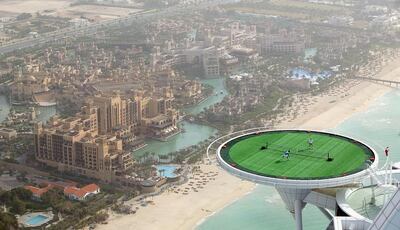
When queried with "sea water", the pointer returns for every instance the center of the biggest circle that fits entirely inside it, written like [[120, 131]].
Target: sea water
[[263, 209], [379, 126]]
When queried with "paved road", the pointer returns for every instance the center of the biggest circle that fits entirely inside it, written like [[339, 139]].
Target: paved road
[[77, 31]]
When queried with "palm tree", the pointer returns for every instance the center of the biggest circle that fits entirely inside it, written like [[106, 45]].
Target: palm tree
[[140, 158], [173, 156], [170, 155], [146, 155]]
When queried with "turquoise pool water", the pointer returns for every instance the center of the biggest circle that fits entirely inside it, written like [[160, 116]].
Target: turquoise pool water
[[166, 170], [300, 73], [263, 209], [37, 220]]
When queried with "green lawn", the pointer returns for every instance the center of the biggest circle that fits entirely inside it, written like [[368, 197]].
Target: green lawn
[[245, 153]]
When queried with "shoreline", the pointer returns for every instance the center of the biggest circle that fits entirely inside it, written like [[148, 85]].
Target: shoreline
[[223, 207], [325, 111], [179, 211], [342, 102]]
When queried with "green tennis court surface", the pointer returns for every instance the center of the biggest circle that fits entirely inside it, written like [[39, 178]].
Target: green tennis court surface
[[262, 154]]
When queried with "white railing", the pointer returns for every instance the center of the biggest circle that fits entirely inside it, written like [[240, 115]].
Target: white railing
[[354, 178]]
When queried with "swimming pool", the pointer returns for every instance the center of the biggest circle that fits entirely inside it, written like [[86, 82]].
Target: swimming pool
[[300, 73], [167, 171], [37, 220]]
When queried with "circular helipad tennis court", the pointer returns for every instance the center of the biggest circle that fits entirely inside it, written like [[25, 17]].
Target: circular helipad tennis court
[[297, 154]]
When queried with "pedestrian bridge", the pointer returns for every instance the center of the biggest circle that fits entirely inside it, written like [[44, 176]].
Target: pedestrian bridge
[[390, 83]]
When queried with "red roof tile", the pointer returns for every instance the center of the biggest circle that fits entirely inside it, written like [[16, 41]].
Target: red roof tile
[[38, 191], [91, 187], [81, 192]]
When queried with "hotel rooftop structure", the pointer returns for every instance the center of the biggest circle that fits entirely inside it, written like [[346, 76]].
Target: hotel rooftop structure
[[337, 174], [75, 145], [95, 142]]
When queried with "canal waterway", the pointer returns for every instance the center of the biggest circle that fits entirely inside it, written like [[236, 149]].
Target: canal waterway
[[218, 94], [44, 113], [4, 107], [193, 133]]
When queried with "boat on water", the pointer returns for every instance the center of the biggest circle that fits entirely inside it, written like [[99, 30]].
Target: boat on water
[[222, 92]]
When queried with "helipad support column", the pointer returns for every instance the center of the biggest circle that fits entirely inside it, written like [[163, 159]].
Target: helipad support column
[[293, 199], [298, 207]]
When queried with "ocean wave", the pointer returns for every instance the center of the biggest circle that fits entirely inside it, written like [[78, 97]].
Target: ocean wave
[[385, 120]]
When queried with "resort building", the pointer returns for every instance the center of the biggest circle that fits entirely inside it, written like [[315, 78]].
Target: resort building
[[190, 89], [206, 57], [161, 126], [7, 134], [151, 116], [74, 145], [229, 63], [211, 62], [112, 112], [81, 194], [93, 143], [38, 192], [70, 190], [282, 42], [240, 34], [24, 88], [244, 54], [155, 116], [334, 44]]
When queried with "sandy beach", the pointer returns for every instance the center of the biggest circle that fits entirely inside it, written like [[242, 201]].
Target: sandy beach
[[333, 107], [183, 211], [176, 210]]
